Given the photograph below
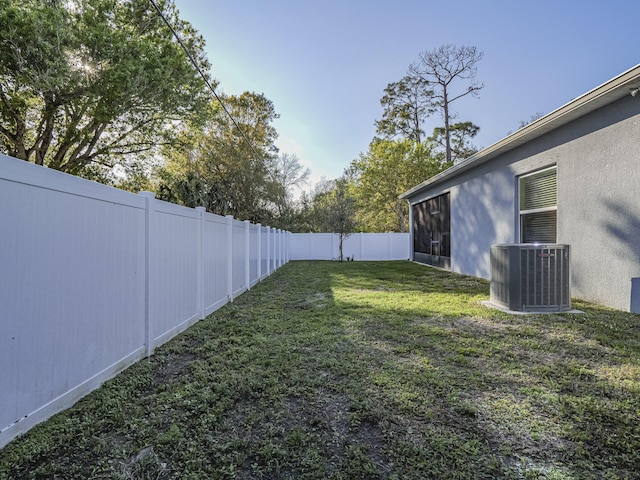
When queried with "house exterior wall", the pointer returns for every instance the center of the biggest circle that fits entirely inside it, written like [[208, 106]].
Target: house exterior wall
[[484, 208], [599, 204], [598, 184]]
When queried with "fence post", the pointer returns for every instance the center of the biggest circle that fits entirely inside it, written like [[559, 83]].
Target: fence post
[[230, 257], [268, 234], [287, 246], [259, 252], [247, 254], [333, 248], [200, 262], [272, 253], [277, 249], [149, 230], [274, 248], [284, 247]]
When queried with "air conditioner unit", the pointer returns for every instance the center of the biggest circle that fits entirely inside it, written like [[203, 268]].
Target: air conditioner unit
[[530, 277]]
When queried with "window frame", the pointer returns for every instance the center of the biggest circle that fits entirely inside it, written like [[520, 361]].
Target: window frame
[[533, 211]]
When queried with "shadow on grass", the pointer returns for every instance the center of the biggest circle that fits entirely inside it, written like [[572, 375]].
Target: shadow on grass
[[360, 370]]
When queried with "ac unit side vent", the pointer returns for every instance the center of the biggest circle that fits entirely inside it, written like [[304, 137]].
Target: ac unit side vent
[[531, 277]]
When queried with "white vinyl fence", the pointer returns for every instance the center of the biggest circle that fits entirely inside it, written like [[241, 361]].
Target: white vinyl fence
[[92, 278], [357, 246]]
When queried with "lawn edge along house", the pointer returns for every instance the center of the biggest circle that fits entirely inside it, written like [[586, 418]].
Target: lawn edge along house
[[570, 177]]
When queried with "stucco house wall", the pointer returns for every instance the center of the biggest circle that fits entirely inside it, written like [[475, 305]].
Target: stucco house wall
[[599, 203], [598, 186]]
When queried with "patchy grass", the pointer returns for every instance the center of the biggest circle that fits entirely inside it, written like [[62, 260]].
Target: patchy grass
[[361, 371]]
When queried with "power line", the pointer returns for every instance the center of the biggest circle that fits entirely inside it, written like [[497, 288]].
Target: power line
[[206, 80]]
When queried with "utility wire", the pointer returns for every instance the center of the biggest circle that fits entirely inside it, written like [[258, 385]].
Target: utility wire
[[206, 80]]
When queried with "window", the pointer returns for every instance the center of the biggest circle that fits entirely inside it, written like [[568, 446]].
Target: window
[[538, 207]]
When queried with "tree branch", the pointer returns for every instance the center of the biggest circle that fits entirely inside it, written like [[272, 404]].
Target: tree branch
[[7, 134], [45, 128], [5, 101], [471, 90]]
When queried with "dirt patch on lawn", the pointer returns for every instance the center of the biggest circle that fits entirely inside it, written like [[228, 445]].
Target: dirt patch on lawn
[[173, 366]]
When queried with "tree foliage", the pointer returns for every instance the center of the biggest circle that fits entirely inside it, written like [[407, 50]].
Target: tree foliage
[[405, 158], [216, 168], [440, 69], [335, 210], [85, 83], [460, 135], [287, 175], [379, 176], [407, 104]]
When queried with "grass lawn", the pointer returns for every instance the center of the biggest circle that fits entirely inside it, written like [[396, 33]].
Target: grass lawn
[[361, 370]]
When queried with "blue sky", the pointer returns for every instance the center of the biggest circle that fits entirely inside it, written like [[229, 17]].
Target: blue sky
[[325, 63]]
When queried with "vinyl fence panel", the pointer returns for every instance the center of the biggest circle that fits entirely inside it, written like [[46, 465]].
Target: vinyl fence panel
[[359, 246], [312, 246], [215, 260], [351, 246], [92, 278], [254, 254], [238, 259], [265, 244], [72, 290], [399, 246], [272, 249], [174, 279]]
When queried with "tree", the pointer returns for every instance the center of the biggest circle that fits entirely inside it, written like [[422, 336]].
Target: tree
[[440, 68], [286, 174], [302, 218], [216, 168], [86, 83], [335, 209], [379, 176], [460, 140], [407, 104]]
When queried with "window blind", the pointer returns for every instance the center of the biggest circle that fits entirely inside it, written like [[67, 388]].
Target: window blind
[[539, 227], [538, 190], [538, 207]]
